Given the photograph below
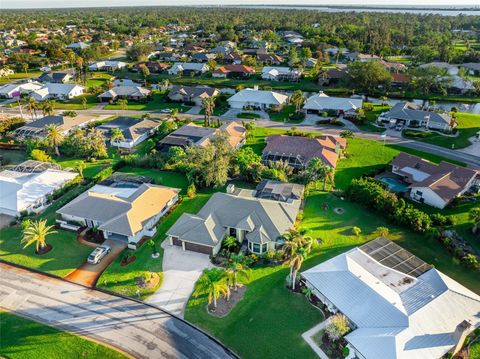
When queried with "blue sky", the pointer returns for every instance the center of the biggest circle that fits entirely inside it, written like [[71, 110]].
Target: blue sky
[[90, 3]]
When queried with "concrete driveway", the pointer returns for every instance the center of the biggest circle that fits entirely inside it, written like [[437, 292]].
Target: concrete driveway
[[233, 112], [143, 331], [181, 269], [87, 274]]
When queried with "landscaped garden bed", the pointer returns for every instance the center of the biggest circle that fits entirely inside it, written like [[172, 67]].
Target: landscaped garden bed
[[225, 305], [248, 115]]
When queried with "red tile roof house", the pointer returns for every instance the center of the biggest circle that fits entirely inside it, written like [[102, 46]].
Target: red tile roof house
[[233, 71], [298, 151], [432, 184]]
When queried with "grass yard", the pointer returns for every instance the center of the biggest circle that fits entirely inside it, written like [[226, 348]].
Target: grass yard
[[268, 310], [371, 118], [122, 279], [26, 339], [468, 126], [156, 103], [248, 115], [19, 76], [284, 115], [475, 350], [98, 79], [76, 103]]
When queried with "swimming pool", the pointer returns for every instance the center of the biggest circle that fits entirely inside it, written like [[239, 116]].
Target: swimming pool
[[394, 184]]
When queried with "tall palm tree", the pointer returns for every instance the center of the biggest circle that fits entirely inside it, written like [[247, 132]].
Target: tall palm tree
[[208, 104], [32, 106], [474, 215], [48, 108], [296, 249], [37, 232], [237, 265], [319, 170], [297, 99], [116, 135], [54, 137], [123, 104], [213, 282]]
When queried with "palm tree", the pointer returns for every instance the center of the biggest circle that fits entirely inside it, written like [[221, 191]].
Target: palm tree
[[296, 249], [297, 99], [237, 264], [474, 215], [7, 69], [208, 104], [83, 100], [320, 170], [116, 135], [54, 137], [25, 68], [36, 232], [32, 106], [80, 166], [164, 84], [48, 108], [213, 282]]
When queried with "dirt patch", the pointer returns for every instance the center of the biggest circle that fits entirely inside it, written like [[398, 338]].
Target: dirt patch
[[224, 306], [148, 281], [339, 210], [126, 260], [44, 250]]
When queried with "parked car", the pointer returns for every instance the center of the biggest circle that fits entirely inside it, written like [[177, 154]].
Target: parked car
[[98, 254]]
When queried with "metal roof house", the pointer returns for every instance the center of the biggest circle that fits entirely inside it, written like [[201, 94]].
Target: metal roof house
[[257, 222], [257, 99], [399, 306]]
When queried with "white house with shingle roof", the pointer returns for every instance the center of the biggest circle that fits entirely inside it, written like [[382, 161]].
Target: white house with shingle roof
[[257, 99], [126, 213], [399, 306], [258, 222]]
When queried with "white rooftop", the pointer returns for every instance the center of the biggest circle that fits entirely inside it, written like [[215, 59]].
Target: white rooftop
[[322, 101], [397, 316]]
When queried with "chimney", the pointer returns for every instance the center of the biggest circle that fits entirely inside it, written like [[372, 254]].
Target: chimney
[[230, 188], [461, 332]]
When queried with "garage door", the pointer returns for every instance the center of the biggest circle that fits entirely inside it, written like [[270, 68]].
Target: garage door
[[198, 248], [176, 242]]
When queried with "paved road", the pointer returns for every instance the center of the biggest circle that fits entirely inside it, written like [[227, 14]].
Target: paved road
[[136, 328], [468, 159]]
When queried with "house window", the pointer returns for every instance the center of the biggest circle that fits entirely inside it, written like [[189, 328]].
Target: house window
[[418, 193], [257, 248], [233, 232]]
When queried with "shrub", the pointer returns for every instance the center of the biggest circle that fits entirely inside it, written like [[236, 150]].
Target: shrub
[[382, 231], [441, 220], [39, 155], [367, 107], [471, 261], [337, 327], [356, 231], [345, 351], [191, 191], [11, 124]]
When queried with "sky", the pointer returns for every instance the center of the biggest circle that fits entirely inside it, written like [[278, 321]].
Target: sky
[[95, 3]]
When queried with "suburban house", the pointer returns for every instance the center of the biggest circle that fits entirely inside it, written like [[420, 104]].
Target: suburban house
[[187, 68], [432, 184], [280, 73], [123, 211], [270, 59], [27, 186], [256, 223], [394, 67], [167, 56], [298, 151], [56, 77], [77, 46], [449, 69], [16, 90], [279, 191], [135, 93], [410, 115], [233, 58], [356, 56], [257, 99], [321, 102], [36, 128], [107, 65], [194, 135], [473, 68], [202, 57], [134, 130], [333, 76], [152, 66], [192, 94], [234, 71], [58, 91], [398, 306], [311, 62]]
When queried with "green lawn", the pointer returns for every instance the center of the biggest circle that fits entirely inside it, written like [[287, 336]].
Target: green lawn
[[98, 79], [76, 103], [91, 168], [371, 118], [468, 126], [284, 115], [122, 279], [157, 102], [248, 115], [19, 76], [475, 350], [26, 339]]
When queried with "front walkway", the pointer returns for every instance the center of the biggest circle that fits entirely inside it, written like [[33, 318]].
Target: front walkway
[[307, 336], [181, 270], [195, 110]]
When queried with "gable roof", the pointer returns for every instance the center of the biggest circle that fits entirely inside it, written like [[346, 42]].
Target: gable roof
[[121, 211], [131, 127], [235, 68], [398, 316], [265, 219], [193, 91], [324, 102], [323, 147], [133, 91]]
